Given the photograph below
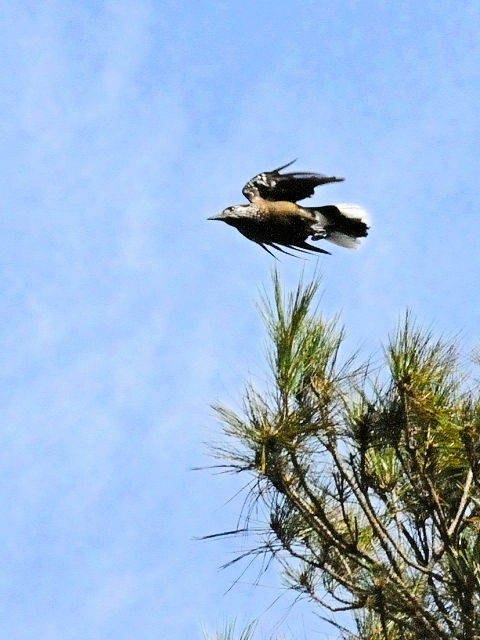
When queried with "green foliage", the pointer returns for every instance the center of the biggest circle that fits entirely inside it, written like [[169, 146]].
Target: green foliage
[[229, 632], [367, 480]]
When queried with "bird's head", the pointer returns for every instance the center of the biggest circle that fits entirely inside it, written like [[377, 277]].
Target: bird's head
[[231, 214]]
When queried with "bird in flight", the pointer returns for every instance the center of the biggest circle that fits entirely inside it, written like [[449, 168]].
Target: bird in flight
[[274, 219]]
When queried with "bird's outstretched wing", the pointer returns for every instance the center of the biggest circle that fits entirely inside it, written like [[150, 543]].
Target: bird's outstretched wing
[[279, 236], [273, 185]]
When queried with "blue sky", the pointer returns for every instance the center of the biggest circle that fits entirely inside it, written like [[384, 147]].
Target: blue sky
[[125, 313]]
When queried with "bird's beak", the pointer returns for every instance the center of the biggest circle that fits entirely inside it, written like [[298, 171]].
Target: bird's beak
[[219, 217]]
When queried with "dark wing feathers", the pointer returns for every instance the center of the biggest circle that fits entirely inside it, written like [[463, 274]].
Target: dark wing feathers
[[261, 244], [310, 247], [286, 232], [303, 247], [273, 185]]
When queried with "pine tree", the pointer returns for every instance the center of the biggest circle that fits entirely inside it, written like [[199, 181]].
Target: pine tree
[[366, 478]]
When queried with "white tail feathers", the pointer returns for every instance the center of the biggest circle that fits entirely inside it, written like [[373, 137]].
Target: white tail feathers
[[343, 224], [348, 233], [354, 211], [343, 240]]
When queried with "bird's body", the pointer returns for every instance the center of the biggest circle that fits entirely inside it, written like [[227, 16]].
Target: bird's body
[[274, 219]]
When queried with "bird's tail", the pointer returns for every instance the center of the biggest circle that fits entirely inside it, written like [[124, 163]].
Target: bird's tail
[[342, 224]]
